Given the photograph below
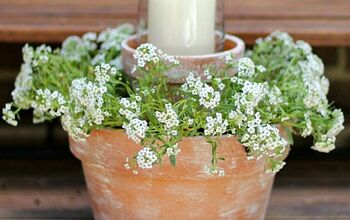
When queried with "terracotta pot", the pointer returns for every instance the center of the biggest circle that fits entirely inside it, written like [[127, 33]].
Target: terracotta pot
[[177, 75], [166, 192]]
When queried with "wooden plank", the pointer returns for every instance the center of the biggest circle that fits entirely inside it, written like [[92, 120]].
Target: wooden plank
[[304, 189], [43, 189], [315, 31], [288, 8], [322, 23], [317, 189]]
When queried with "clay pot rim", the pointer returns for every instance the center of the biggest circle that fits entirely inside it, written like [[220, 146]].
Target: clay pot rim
[[236, 40], [184, 137], [281, 129]]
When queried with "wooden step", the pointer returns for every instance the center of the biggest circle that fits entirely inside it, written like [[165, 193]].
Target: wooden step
[[43, 189]]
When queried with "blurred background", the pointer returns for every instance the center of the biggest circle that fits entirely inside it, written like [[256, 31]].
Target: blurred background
[[40, 178]]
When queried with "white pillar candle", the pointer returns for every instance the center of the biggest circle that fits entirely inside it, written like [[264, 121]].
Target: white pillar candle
[[182, 27]]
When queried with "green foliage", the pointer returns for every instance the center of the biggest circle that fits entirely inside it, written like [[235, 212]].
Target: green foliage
[[280, 84]]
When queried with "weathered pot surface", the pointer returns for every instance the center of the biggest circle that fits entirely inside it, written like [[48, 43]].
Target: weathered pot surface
[[232, 45], [185, 191]]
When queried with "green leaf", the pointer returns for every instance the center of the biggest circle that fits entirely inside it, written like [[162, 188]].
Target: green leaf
[[289, 134], [172, 159]]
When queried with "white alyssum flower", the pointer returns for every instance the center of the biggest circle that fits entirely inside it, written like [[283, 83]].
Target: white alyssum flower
[[146, 158], [87, 98], [238, 118], [74, 48], [221, 86], [136, 129], [86, 103], [275, 96], [173, 150], [252, 93], [229, 58], [283, 36], [305, 47], [190, 121], [24, 80], [208, 97], [48, 105], [192, 85], [215, 126], [169, 119], [41, 53], [8, 115], [325, 144], [104, 72], [277, 167], [214, 171], [207, 74], [259, 41], [264, 140], [246, 68], [308, 130], [74, 127], [111, 38], [148, 53], [98, 58], [90, 36], [316, 84], [130, 109], [261, 68], [337, 124]]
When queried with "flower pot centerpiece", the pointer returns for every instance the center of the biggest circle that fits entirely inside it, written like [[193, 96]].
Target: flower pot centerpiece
[[207, 148]]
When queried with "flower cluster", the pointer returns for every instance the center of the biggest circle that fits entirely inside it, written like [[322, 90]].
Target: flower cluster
[[173, 150], [8, 115], [308, 91], [264, 140], [250, 95], [214, 171], [246, 68], [169, 119], [146, 158], [87, 99], [208, 97], [277, 35], [48, 105], [338, 121], [317, 85], [215, 126], [325, 144], [104, 72], [149, 54], [136, 129], [24, 80], [308, 129], [75, 48], [129, 109], [97, 48]]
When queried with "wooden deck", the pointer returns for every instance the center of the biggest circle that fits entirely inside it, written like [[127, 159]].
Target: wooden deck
[[320, 22], [41, 189], [311, 186]]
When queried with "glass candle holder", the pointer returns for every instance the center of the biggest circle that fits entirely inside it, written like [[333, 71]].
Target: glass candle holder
[[182, 27]]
